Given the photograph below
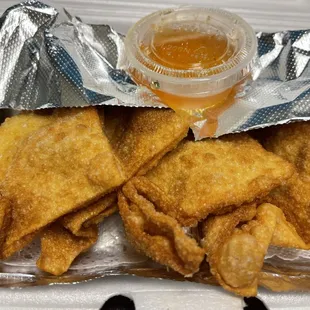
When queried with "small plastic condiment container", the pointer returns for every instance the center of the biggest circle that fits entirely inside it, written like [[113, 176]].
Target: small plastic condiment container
[[192, 58]]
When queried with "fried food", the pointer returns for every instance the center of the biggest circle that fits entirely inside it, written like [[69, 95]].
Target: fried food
[[235, 256], [286, 236], [217, 228], [140, 137], [5, 219], [94, 214], [291, 142], [116, 122], [212, 176], [157, 235], [149, 135], [58, 169], [236, 252], [59, 247], [61, 173], [14, 130]]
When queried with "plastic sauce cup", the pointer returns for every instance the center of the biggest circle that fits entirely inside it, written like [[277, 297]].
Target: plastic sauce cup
[[194, 59]]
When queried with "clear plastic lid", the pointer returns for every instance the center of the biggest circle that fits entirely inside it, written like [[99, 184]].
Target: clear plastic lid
[[191, 51]]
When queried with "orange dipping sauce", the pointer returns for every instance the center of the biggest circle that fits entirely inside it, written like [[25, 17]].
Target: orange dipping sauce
[[190, 61], [183, 49]]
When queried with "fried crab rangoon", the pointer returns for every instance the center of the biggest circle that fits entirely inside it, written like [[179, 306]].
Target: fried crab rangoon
[[140, 137], [65, 165], [236, 244], [93, 214], [57, 169], [193, 181], [212, 176], [59, 247], [291, 142], [157, 235], [63, 172], [149, 135], [5, 219], [13, 131]]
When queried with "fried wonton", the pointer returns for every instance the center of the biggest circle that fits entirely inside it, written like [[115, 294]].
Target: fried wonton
[[58, 169], [13, 130], [212, 176], [140, 138], [59, 247], [5, 219], [157, 235], [149, 135], [292, 143], [236, 251], [286, 236], [115, 123], [94, 214]]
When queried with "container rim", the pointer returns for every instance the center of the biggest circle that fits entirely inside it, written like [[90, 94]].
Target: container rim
[[234, 65]]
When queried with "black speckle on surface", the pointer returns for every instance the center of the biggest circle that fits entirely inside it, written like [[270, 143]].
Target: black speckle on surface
[[118, 302], [253, 303]]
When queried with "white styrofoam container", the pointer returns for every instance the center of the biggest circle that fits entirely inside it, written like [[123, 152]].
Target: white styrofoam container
[[263, 15]]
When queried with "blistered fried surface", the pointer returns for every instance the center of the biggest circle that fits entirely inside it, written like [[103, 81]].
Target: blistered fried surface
[[116, 121], [292, 143], [140, 138], [216, 229], [13, 130], [92, 214], [5, 219], [149, 135], [208, 176], [236, 251], [157, 235], [58, 169], [286, 236], [59, 248], [219, 245]]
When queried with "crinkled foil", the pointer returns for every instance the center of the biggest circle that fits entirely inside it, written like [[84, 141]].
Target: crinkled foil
[[280, 92], [48, 64], [284, 269]]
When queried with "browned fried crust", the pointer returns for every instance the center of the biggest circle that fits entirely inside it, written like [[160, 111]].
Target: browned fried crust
[[13, 131], [116, 122], [286, 236], [140, 138], [5, 219], [212, 176], [92, 214], [149, 135], [218, 232], [58, 169], [157, 235], [292, 143], [236, 252], [59, 247]]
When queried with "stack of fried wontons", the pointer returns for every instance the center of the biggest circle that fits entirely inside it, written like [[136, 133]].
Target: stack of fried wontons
[[62, 172]]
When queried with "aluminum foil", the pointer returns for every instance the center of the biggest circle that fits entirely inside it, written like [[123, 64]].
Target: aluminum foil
[[45, 63], [113, 255], [49, 64], [280, 92]]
